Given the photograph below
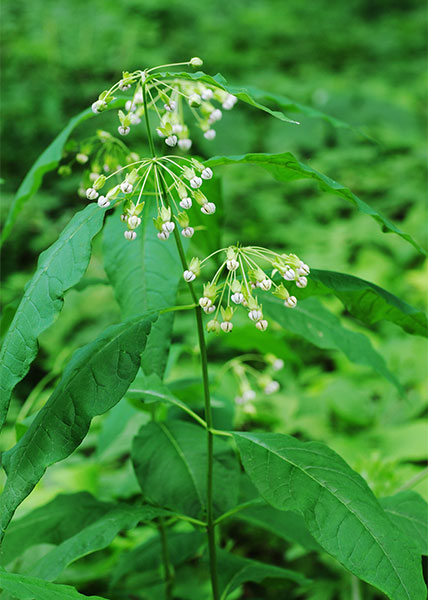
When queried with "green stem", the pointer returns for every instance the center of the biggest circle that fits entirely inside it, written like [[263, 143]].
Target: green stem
[[168, 570], [207, 401]]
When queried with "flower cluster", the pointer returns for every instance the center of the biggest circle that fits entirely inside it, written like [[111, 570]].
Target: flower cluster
[[171, 98], [174, 181], [245, 269]]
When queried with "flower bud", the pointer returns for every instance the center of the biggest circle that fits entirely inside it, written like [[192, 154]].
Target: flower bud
[[103, 202], [207, 173], [207, 94], [303, 269], [248, 395], [226, 326], [290, 302], [213, 326], [195, 100], [187, 232], [168, 227], [301, 282], [82, 158], [98, 106], [195, 266], [265, 285], [170, 106], [123, 130], [255, 314], [186, 203], [230, 102], [177, 128], [126, 187], [195, 182], [185, 144], [209, 309], [289, 275], [208, 208], [216, 115], [205, 302], [271, 387], [232, 265], [99, 182], [163, 235], [196, 61], [278, 364], [91, 194], [210, 134], [262, 325], [237, 298], [133, 222], [124, 218], [130, 235], [171, 141], [189, 276]]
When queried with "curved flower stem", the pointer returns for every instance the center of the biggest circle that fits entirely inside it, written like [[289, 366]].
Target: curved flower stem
[[207, 400]]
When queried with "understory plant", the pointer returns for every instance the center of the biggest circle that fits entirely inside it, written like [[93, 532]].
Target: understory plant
[[205, 473]]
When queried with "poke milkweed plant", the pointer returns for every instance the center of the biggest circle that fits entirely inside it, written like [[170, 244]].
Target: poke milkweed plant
[[195, 475]]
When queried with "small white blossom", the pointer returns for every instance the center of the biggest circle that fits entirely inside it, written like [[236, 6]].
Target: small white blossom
[[205, 302], [130, 235], [163, 235], [168, 227], [160, 134], [210, 134], [262, 325], [196, 61], [189, 276], [124, 218], [126, 187], [186, 203], [171, 141], [237, 298], [208, 208], [230, 102], [195, 100], [248, 395], [278, 364], [130, 106], [124, 86], [135, 119], [271, 387], [133, 222], [302, 282], [226, 326], [98, 106], [207, 173], [290, 302], [303, 269], [255, 314], [185, 144], [170, 106], [196, 182], [123, 130], [103, 202], [209, 309], [187, 232], [290, 274], [265, 285], [207, 94], [91, 194], [216, 115], [232, 264], [177, 128]]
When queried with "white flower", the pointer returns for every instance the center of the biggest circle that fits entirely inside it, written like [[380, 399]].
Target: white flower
[[271, 387], [189, 276], [255, 314], [163, 235], [171, 141], [303, 269], [278, 364], [186, 203], [232, 265], [172, 105], [177, 128], [207, 173], [185, 144], [196, 182], [210, 309], [230, 102], [262, 325], [126, 187], [103, 202], [226, 326], [133, 222], [205, 302], [195, 100], [130, 106], [302, 282], [123, 130], [207, 94], [208, 208], [130, 235], [210, 134], [290, 274], [196, 61], [248, 395], [98, 106], [237, 298], [216, 115], [265, 285], [187, 232], [160, 134], [168, 227], [124, 86], [290, 302], [91, 194], [124, 218], [135, 119]]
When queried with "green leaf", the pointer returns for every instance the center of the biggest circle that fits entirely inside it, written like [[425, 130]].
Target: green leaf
[[147, 557], [95, 379], [30, 588], [285, 167], [315, 323], [339, 509], [366, 301], [145, 275], [59, 268], [409, 512], [234, 570], [170, 461]]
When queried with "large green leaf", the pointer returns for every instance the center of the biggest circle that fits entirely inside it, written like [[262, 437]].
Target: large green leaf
[[366, 301], [409, 512], [145, 275], [95, 379], [234, 570], [286, 167], [312, 321], [170, 461], [30, 588], [340, 510], [59, 268]]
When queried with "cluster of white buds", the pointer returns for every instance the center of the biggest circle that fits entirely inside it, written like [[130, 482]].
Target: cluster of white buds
[[174, 181], [245, 269], [171, 97]]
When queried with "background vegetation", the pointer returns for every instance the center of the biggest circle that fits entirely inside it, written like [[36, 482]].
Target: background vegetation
[[362, 62]]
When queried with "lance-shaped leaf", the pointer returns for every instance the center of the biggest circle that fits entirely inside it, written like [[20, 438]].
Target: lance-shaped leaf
[[24, 587], [286, 167], [95, 379], [366, 301], [170, 463], [409, 512], [235, 570], [145, 275], [315, 323], [59, 268], [339, 508]]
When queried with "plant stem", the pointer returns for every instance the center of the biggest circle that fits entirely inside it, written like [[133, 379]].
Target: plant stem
[[168, 571], [207, 400]]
